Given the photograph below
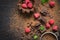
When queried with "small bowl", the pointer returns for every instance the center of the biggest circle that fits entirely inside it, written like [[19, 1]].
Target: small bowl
[[48, 36]]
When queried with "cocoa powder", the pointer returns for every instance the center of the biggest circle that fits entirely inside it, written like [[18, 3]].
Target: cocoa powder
[[49, 37]]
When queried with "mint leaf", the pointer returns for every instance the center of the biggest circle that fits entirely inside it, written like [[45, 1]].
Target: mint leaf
[[44, 1]]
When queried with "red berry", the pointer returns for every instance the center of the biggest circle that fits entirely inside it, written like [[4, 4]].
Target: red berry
[[30, 5], [27, 30], [51, 21], [24, 5], [52, 3], [27, 1], [55, 28], [36, 15], [47, 25]]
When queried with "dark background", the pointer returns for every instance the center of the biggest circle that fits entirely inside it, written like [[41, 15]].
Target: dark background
[[6, 7]]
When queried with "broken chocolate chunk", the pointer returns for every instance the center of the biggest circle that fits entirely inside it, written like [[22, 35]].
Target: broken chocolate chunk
[[44, 12], [42, 20]]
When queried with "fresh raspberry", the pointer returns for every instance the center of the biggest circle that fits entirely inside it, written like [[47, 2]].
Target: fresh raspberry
[[51, 21], [24, 5], [55, 28], [27, 1], [27, 30], [47, 25], [52, 3], [30, 5], [36, 15]]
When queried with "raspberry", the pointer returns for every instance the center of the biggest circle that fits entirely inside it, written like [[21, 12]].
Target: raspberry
[[27, 30], [51, 21], [52, 3], [36, 15], [30, 5], [24, 5], [47, 25], [27, 1], [55, 28]]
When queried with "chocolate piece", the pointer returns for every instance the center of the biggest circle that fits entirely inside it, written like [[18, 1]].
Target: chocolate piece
[[42, 20], [44, 12]]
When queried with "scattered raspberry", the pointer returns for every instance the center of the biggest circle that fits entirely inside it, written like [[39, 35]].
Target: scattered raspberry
[[24, 5], [36, 15], [27, 1], [27, 30], [55, 28], [51, 21], [30, 5], [47, 25], [52, 3]]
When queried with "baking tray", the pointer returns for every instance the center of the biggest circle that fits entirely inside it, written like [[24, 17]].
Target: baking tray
[[7, 9]]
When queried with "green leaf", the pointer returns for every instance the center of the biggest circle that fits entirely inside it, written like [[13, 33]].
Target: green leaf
[[44, 1], [35, 37], [42, 28]]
